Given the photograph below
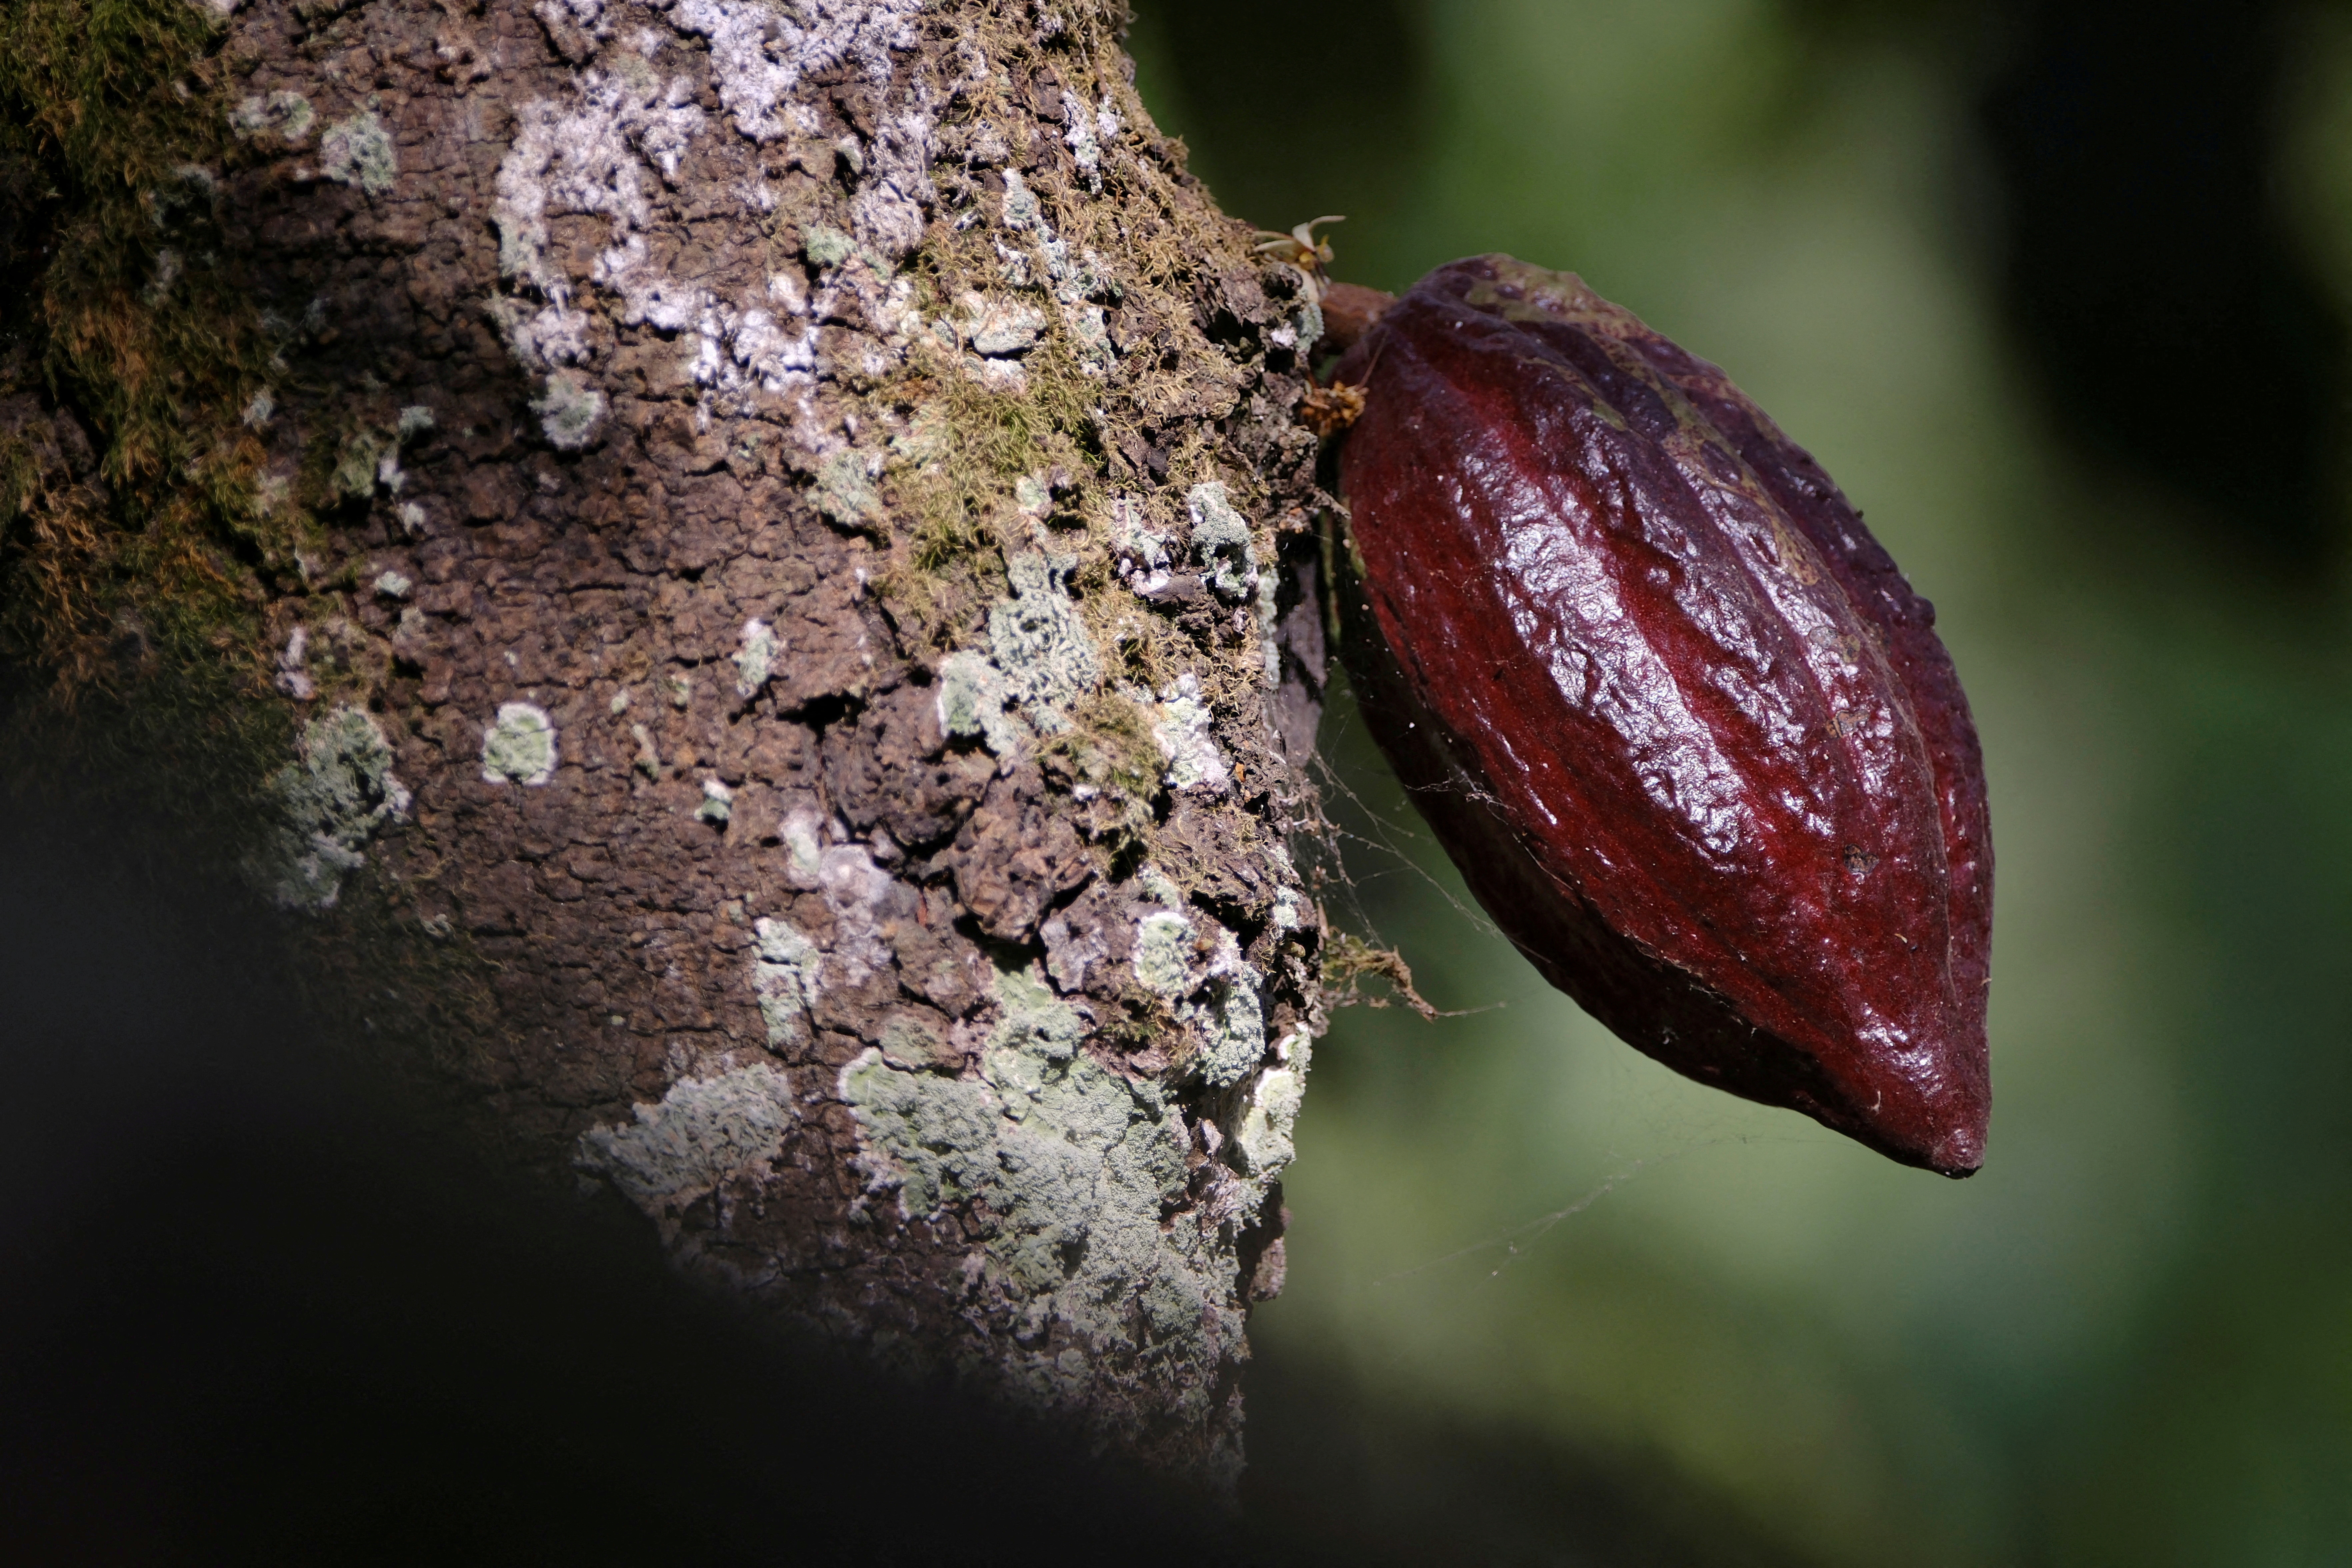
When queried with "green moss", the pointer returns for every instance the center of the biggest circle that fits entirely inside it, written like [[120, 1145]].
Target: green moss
[[112, 111]]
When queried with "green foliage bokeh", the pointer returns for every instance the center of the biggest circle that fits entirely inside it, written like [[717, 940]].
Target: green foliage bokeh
[[2130, 1337]]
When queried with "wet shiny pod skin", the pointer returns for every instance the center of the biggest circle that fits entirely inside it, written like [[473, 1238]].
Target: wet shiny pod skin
[[1685, 728]]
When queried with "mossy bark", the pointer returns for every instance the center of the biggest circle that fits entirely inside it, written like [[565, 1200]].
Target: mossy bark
[[807, 504]]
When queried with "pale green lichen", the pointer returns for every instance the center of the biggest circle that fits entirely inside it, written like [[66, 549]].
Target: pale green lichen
[[844, 492], [826, 246], [755, 662], [1067, 1168], [1222, 542], [286, 115], [334, 797], [1230, 1016], [518, 747], [1038, 642], [784, 977], [972, 702], [358, 151], [1155, 884], [911, 1042], [648, 757], [414, 420], [704, 1130], [357, 464], [799, 832], [1265, 1133], [569, 411], [717, 806], [393, 585], [1219, 1001], [1163, 954]]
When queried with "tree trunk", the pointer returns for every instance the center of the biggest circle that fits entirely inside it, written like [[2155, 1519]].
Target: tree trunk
[[768, 553]]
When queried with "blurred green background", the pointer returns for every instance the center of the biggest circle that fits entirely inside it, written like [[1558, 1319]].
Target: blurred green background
[[2058, 292]]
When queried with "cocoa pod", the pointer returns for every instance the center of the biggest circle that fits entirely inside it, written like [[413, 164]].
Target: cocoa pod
[[1685, 728]]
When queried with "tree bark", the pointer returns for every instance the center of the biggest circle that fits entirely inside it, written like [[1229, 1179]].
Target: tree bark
[[777, 539]]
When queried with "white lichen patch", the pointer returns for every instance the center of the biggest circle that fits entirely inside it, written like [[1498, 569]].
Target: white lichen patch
[[335, 795], [1222, 543], [760, 52], [519, 746], [647, 760], [595, 159], [569, 411], [392, 585], [996, 327], [1067, 1168], [755, 660], [789, 971], [784, 978], [1079, 285], [703, 1132], [358, 151], [858, 894], [292, 678], [1184, 730], [717, 806], [1269, 646], [802, 833], [1143, 554]]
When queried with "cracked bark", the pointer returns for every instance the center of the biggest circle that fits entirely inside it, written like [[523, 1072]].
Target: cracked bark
[[771, 480]]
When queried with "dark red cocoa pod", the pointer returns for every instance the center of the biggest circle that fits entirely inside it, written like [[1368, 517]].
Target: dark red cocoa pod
[[1685, 728]]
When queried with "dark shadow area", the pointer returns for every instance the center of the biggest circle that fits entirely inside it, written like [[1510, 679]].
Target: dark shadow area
[[254, 1308], [257, 1304], [2175, 333], [1374, 1481]]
